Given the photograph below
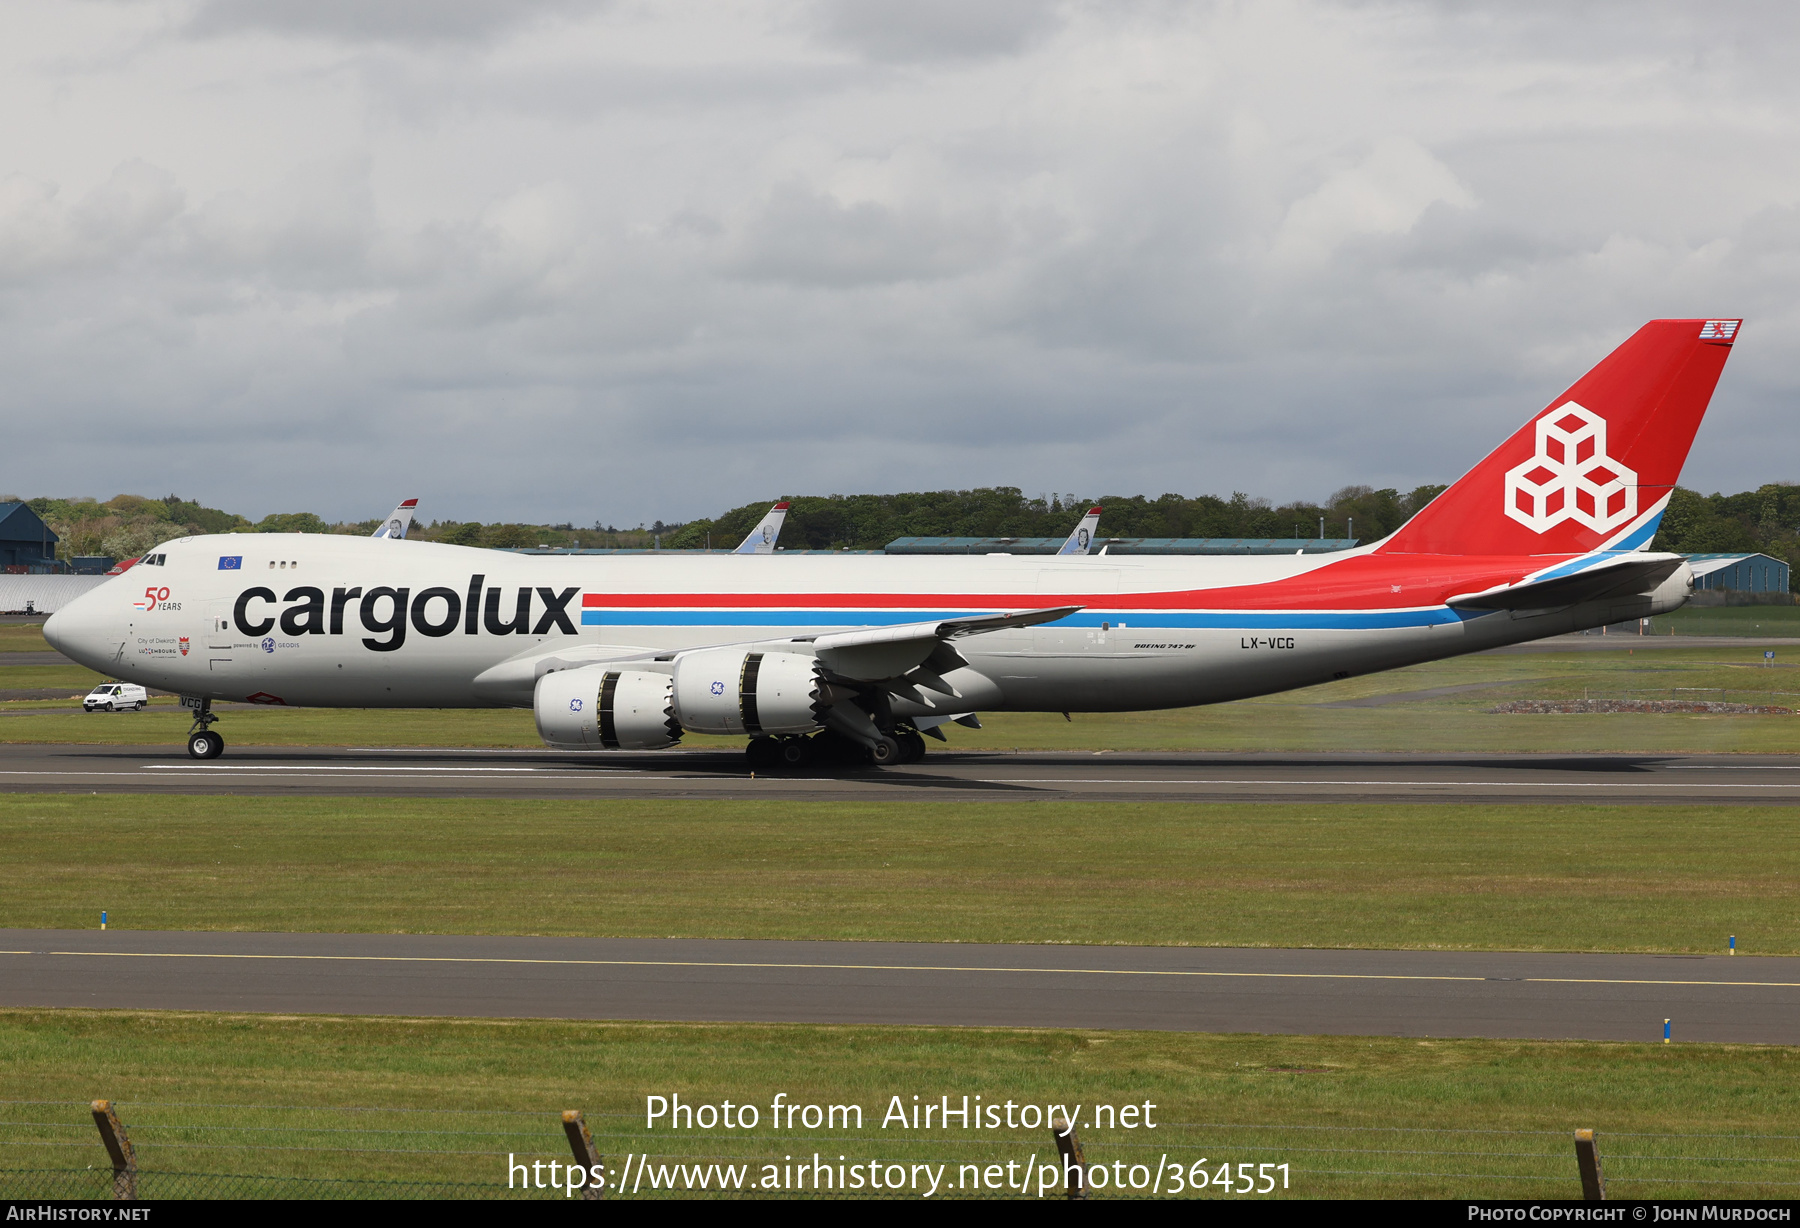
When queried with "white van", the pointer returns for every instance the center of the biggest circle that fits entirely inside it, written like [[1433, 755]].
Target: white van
[[116, 697]]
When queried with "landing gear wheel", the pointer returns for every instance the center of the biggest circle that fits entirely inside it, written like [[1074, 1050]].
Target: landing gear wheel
[[796, 752], [885, 753], [206, 745], [912, 746], [763, 754]]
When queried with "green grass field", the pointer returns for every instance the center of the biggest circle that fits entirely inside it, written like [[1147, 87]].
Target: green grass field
[[1402, 719], [23, 637], [1352, 1117], [1614, 878], [1753, 620]]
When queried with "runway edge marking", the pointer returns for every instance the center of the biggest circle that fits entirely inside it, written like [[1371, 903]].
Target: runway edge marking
[[680, 963]]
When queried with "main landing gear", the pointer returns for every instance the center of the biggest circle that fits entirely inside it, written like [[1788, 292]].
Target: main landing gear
[[202, 742], [769, 754]]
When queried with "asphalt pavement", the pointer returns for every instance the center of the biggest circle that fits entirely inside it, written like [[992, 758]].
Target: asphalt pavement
[[1735, 780], [1399, 993]]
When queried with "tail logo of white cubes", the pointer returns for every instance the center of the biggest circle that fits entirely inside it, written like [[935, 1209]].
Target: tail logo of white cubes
[[1571, 477]]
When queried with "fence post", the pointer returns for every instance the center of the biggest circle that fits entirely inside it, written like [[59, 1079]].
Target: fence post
[[1068, 1143], [1587, 1158], [118, 1147], [581, 1142]]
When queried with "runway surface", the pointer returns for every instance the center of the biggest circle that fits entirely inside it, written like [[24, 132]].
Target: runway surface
[[1733, 780], [1400, 993]]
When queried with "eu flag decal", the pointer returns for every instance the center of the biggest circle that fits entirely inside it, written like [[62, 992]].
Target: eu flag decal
[[231, 562]]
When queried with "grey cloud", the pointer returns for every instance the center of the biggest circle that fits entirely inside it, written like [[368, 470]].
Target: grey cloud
[[41, 232], [399, 21], [809, 238], [624, 279], [430, 93], [925, 30]]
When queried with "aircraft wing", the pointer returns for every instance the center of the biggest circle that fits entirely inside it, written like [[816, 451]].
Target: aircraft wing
[[944, 629], [907, 656], [398, 521], [876, 654], [1083, 536], [1627, 576], [762, 538]]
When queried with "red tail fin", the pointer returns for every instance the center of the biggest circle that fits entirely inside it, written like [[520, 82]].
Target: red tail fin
[[1595, 469]]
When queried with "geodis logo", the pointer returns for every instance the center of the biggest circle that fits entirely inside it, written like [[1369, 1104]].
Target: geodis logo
[[389, 613]]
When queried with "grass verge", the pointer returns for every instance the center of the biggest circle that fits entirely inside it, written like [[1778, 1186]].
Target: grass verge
[[1614, 878], [1352, 1117]]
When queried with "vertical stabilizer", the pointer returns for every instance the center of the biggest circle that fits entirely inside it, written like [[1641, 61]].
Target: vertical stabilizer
[[1594, 470], [763, 537], [399, 521], [1082, 539]]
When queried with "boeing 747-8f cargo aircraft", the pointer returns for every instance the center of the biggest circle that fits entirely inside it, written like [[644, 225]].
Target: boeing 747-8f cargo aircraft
[[1548, 534]]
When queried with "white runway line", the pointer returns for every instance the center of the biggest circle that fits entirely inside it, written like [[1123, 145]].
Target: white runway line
[[782, 966], [1732, 767], [282, 767], [1441, 784], [178, 773]]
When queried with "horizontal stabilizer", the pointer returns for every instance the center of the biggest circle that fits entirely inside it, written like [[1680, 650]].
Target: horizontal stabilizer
[[1628, 576]]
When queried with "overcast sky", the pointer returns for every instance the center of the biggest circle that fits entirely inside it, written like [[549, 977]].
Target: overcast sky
[[568, 259]]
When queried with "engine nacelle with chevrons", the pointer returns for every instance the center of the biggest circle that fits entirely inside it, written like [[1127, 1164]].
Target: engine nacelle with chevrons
[[731, 691], [593, 707]]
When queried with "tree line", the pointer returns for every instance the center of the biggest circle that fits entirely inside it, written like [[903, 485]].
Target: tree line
[[1765, 520]]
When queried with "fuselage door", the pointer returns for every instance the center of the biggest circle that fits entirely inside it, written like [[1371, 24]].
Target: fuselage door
[[218, 624]]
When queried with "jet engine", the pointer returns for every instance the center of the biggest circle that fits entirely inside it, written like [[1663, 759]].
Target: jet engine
[[728, 690], [596, 708]]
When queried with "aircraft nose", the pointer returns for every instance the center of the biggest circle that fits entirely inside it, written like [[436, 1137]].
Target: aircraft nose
[[56, 628], [85, 631]]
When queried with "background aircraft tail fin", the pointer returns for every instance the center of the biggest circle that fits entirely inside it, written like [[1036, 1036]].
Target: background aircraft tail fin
[[1082, 539], [398, 521], [1594, 470], [762, 538]]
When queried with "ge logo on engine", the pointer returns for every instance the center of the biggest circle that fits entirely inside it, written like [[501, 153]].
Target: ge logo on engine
[[574, 705], [718, 688], [1571, 476]]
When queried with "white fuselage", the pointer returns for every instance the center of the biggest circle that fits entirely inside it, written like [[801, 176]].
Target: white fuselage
[[335, 621]]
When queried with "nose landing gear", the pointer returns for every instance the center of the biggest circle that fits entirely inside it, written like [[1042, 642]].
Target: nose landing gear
[[202, 742]]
